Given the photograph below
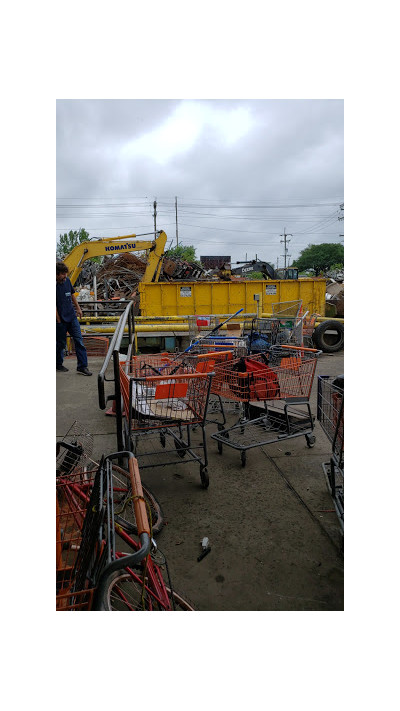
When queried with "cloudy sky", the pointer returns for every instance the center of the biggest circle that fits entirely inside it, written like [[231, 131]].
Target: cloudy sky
[[243, 171]]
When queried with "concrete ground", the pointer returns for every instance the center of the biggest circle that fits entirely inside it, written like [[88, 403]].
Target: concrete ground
[[274, 534]]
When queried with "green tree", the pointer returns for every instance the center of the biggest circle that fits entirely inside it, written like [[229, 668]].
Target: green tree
[[320, 257], [186, 252], [337, 267], [67, 242]]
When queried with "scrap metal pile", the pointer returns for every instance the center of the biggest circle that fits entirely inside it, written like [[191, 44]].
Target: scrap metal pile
[[176, 268], [118, 277]]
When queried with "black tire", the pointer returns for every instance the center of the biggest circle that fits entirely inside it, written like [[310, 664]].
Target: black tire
[[123, 506], [329, 342], [122, 583], [180, 603]]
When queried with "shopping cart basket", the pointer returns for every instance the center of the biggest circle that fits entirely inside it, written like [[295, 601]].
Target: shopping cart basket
[[330, 413], [204, 359], [197, 360], [285, 326], [308, 329], [283, 376], [159, 364], [85, 536], [198, 324], [158, 407], [236, 344], [74, 449]]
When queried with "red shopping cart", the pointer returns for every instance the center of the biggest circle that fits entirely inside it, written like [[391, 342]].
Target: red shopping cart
[[165, 406], [274, 389]]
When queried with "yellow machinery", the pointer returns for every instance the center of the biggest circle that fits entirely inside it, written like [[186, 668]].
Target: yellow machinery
[[118, 245]]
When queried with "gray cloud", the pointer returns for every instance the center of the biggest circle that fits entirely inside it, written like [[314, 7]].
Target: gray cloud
[[209, 154]]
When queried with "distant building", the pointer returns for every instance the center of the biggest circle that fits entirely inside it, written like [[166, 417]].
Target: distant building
[[215, 261]]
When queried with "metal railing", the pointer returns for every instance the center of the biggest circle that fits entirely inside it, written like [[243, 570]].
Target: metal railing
[[114, 353]]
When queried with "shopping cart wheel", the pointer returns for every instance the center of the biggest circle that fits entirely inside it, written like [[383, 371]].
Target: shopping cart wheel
[[162, 439], [243, 457], [219, 445], [310, 439], [180, 450], [204, 476]]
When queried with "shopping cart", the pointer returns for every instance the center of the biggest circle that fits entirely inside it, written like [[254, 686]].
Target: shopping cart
[[236, 344], [204, 358], [163, 399], [308, 329], [330, 414], [85, 541], [285, 326], [93, 572], [198, 324], [282, 376]]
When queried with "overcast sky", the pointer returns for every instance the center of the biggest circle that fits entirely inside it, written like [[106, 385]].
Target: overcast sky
[[243, 171]]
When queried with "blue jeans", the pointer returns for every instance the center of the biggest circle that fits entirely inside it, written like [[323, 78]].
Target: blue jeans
[[74, 329]]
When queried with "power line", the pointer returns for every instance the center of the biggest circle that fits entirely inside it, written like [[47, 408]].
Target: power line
[[259, 207], [200, 227]]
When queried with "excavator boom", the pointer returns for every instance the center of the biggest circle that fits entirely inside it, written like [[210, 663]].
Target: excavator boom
[[117, 245]]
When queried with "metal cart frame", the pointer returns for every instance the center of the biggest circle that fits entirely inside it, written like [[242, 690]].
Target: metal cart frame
[[166, 406], [275, 398], [330, 414]]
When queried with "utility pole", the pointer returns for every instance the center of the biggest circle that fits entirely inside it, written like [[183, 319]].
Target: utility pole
[[341, 217], [285, 241], [176, 219], [155, 218]]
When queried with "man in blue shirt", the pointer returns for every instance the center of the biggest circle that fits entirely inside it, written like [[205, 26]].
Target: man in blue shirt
[[67, 322]]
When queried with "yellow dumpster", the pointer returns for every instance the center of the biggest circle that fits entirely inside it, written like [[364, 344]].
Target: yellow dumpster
[[226, 297]]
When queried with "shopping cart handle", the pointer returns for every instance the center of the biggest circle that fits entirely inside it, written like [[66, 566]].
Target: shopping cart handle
[[139, 504], [298, 348]]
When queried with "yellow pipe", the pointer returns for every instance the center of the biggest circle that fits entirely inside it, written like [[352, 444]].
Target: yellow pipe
[[163, 320], [165, 326], [138, 329], [320, 319]]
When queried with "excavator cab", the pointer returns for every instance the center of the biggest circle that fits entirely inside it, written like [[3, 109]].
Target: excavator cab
[[289, 273]]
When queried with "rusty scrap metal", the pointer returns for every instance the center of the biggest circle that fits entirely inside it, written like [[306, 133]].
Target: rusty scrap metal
[[118, 276]]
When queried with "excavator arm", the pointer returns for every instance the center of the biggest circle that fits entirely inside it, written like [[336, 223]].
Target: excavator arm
[[118, 245]]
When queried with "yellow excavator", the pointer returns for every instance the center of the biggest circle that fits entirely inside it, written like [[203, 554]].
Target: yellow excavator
[[118, 245]]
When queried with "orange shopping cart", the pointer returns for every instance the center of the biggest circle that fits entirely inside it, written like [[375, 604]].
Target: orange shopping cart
[[164, 397], [274, 388]]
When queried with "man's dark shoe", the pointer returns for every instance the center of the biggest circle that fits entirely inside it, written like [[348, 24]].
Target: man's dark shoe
[[83, 371], [62, 368]]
